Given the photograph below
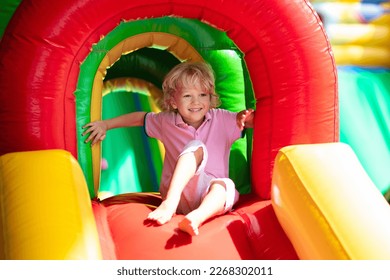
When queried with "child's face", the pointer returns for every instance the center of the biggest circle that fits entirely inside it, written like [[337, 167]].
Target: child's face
[[192, 104]]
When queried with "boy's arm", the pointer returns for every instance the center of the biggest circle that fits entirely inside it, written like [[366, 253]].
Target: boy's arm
[[245, 119], [98, 129]]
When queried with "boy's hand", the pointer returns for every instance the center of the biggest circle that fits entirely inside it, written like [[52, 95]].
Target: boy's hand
[[245, 119], [97, 131]]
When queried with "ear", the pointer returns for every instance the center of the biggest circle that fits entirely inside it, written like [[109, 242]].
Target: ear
[[172, 102]]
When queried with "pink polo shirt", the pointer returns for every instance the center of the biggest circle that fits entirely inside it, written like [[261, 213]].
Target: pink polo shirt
[[218, 132]]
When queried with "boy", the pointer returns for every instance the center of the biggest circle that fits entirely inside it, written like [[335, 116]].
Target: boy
[[197, 138]]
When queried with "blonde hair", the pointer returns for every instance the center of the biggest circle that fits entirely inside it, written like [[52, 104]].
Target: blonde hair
[[186, 75]]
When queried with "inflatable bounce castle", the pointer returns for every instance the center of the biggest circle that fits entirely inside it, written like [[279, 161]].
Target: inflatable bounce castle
[[305, 194]]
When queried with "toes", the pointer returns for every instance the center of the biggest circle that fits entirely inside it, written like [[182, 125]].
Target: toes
[[159, 217], [187, 226]]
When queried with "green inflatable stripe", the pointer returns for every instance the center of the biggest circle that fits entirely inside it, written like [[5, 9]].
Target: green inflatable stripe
[[7, 10], [128, 151], [365, 119]]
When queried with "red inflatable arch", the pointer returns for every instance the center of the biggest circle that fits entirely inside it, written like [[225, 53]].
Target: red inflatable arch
[[294, 80]]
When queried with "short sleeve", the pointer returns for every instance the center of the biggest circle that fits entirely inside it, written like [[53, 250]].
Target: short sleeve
[[230, 119], [153, 125]]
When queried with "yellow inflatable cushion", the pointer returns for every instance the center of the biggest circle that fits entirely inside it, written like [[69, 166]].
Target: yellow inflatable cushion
[[45, 209], [327, 204]]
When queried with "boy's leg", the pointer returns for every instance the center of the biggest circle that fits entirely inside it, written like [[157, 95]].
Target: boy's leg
[[213, 204], [185, 169]]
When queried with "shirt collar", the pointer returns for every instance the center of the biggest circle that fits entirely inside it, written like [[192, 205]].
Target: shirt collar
[[179, 120]]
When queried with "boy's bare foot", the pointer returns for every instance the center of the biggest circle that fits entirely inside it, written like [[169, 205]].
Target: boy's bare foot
[[161, 214], [189, 226]]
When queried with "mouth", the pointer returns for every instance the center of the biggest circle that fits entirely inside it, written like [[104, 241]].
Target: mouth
[[195, 110]]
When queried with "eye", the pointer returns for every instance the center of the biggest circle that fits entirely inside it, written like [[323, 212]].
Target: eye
[[203, 94]]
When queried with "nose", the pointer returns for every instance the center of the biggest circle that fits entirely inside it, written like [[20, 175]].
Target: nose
[[195, 99]]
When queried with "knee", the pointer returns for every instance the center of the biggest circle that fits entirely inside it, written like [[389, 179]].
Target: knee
[[227, 186], [218, 186], [198, 153], [198, 150]]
